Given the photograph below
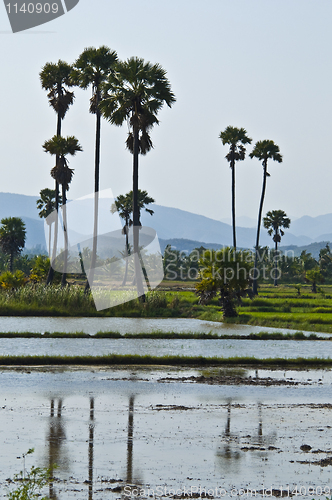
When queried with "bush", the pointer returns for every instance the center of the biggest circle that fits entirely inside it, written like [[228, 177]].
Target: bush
[[10, 280], [156, 300], [40, 269], [31, 483]]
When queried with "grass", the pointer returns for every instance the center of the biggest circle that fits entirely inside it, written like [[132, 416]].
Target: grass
[[181, 361], [297, 336], [41, 300], [282, 307]]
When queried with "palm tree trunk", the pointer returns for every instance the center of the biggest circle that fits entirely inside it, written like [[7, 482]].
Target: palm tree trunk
[[50, 275], [233, 202], [276, 262], [254, 285], [126, 253], [96, 197], [65, 234], [136, 222], [49, 238]]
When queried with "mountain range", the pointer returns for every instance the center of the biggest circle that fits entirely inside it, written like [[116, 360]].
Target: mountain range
[[170, 224]]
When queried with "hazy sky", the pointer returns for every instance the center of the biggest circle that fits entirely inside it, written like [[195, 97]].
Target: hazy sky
[[264, 65]]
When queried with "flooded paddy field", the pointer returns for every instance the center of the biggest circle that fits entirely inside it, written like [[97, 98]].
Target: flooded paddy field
[[93, 325], [216, 433], [222, 348]]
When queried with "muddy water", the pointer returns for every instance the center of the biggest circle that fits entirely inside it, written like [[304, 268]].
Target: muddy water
[[166, 347], [108, 428]]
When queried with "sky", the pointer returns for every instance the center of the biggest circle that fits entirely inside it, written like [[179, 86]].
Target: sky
[[259, 64]]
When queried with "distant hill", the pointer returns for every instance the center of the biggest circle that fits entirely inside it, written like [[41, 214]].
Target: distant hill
[[313, 248], [169, 223], [183, 245], [314, 227], [18, 205], [35, 232]]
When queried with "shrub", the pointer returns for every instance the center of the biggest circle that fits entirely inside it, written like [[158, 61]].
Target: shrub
[[10, 280], [156, 300], [40, 269], [31, 482]]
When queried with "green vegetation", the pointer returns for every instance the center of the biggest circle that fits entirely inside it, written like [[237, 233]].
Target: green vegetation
[[282, 307], [225, 273], [297, 336], [12, 238], [134, 359], [40, 300], [123, 204], [31, 482], [47, 204], [273, 222]]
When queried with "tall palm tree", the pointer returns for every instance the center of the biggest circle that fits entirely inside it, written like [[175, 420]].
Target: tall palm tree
[[56, 78], [46, 204], [12, 237], [263, 150], [61, 147], [236, 138], [93, 67], [123, 204], [273, 222], [136, 93]]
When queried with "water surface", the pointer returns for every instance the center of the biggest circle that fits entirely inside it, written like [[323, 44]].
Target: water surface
[[128, 325], [208, 348], [109, 428]]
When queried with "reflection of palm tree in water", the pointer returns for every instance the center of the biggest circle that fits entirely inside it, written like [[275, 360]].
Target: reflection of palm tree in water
[[129, 479], [258, 438], [260, 422], [55, 437], [91, 436], [228, 453]]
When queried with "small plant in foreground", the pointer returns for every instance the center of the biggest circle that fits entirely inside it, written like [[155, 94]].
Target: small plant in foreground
[[31, 482]]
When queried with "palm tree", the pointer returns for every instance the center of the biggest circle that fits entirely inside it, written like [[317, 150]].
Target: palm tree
[[236, 138], [62, 147], [93, 68], [136, 93], [123, 204], [12, 237], [56, 78], [314, 276], [263, 150], [46, 204], [273, 222]]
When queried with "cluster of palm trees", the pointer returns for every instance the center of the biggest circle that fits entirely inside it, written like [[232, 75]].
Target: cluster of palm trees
[[131, 91], [265, 150]]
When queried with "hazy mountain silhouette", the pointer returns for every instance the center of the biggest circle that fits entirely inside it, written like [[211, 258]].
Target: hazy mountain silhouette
[[169, 223]]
